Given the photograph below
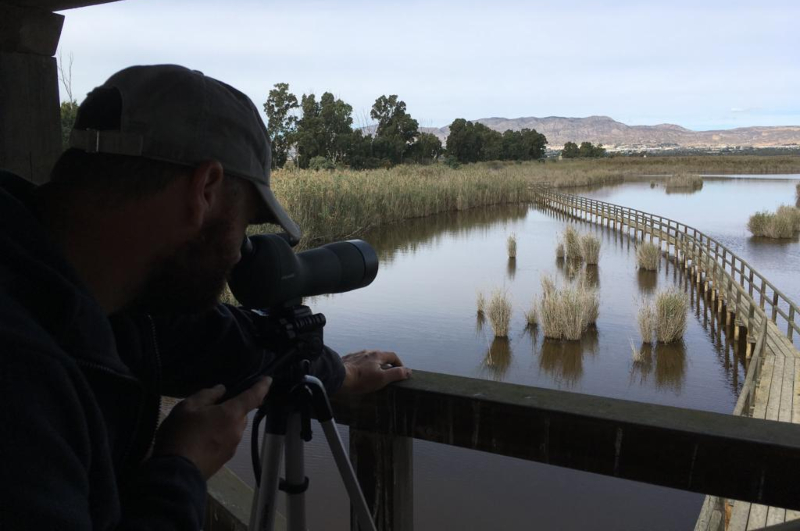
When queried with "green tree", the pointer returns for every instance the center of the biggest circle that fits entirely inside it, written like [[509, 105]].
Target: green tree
[[281, 122], [324, 130], [463, 143], [396, 129], [426, 148], [570, 150]]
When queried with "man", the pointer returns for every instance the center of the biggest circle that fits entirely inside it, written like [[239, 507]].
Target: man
[[109, 280]]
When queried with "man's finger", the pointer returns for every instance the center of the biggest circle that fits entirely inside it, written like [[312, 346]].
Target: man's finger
[[389, 357], [396, 374], [250, 399], [206, 397]]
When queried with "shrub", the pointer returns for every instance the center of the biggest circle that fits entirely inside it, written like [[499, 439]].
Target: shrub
[[511, 245], [500, 313], [671, 307], [590, 249], [648, 256]]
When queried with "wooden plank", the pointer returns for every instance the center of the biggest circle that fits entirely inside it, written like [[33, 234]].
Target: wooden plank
[[774, 402], [704, 520], [787, 391], [792, 515], [758, 516], [739, 516], [776, 516], [716, 521], [762, 391]]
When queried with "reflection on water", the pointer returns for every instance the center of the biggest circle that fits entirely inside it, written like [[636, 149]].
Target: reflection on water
[[563, 360], [669, 361], [511, 268], [480, 320], [498, 358], [647, 281], [413, 234], [682, 191], [593, 276]]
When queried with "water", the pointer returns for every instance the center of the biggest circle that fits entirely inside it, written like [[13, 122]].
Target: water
[[422, 305]]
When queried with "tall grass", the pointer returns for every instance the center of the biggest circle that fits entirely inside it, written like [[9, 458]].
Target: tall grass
[[568, 311], [648, 256], [590, 249], [684, 181], [572, 243], [783, 223], [511, 246], [671, 307], [500, 313]]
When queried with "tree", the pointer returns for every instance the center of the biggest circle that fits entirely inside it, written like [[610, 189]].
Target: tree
[[426, 148], [281, 122], [69, 108], [325, 129], [570, 151], [396, 129]]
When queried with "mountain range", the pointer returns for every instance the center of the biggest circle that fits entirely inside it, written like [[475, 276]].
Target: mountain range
[[611, 133]]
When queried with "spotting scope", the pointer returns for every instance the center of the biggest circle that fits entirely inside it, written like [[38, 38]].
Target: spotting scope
[[271, 275]]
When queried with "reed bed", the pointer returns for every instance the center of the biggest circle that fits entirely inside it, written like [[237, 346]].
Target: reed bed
[[572, 243], [511, 246], [481, 303], [782, 224], [548, 285], [648, 256], [684, 181], [567, 312], [499, 313], [590, 249], [344, 203]]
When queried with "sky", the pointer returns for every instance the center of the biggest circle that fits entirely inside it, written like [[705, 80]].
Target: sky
[[699, 64]]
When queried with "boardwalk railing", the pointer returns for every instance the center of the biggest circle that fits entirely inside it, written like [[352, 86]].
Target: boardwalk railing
[[725, 456]]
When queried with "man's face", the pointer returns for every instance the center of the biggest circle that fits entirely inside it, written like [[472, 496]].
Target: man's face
[[192, 278]]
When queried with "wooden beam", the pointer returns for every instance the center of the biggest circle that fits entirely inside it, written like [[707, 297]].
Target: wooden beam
[[27, 30], [731, 457]]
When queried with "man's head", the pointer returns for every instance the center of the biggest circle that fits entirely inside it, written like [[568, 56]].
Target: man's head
[[187, 149]]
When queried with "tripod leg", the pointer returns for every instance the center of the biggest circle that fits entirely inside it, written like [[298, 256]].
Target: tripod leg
[[295, 475], [265, 497], [348, 475]]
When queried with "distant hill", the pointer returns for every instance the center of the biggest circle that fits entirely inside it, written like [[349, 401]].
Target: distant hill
[[610, 133]]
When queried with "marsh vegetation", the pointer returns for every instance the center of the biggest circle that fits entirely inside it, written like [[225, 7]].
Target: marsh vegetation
[[781, 224], [648, 256]]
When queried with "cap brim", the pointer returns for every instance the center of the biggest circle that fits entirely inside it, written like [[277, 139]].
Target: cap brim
[[278, 214]]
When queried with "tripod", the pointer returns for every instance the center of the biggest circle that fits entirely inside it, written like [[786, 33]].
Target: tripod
[[288, 409]]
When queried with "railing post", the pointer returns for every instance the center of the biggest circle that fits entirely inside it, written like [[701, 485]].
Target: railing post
[[385, 471], [790, 322]]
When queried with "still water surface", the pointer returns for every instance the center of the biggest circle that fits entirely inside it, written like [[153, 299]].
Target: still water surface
[[422, 305]]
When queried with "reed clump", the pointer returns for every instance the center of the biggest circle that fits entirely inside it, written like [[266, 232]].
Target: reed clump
[[532, 315], [648, 256], [782, 224], [572, 243], [684, 181], [560, 253], [481, 303], [671, 307], [499, 313], [645, 318], [511, 246], [590, 249], [567, 312]]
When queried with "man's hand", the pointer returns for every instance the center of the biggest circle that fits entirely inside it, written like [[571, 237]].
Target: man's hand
[[205, 432], [371, 370]]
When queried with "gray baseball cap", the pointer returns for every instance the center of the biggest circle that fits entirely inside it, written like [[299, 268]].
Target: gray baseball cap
[[173, 114]]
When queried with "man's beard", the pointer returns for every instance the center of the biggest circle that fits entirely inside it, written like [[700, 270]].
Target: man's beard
[[192, 278]]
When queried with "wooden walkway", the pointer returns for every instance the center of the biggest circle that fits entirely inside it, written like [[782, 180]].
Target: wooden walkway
[[753, 310]]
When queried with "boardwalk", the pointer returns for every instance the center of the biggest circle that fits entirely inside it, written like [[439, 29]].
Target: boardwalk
[[753, 310]]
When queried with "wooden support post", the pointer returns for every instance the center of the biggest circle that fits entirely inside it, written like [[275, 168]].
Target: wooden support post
[[30, 129], [384, 467]]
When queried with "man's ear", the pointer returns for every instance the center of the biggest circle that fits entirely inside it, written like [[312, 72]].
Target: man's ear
[[205, 191]]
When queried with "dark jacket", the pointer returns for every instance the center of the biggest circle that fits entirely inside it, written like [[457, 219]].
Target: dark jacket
[[80, 393]]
